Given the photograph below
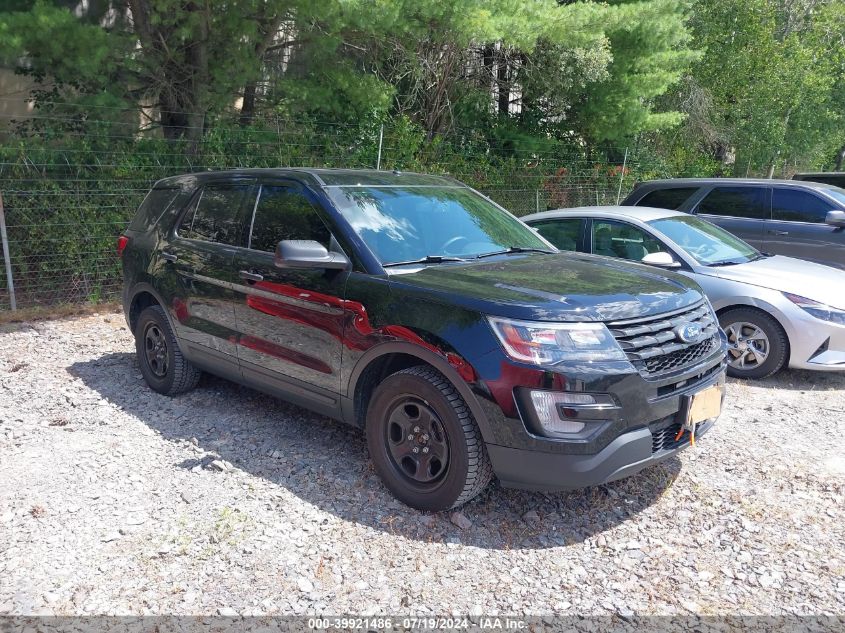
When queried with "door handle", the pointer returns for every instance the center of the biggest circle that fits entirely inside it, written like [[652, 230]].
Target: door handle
[[771, 232], [250, 276], [170, 257]]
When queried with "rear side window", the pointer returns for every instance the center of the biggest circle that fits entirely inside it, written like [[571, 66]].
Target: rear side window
[[671, 198], [152, 208], [736, 202], [563, 233], [798, 206], [283, 213], [215, 216]]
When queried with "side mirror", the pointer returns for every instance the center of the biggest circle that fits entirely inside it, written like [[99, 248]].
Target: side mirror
[[308, 254], [662, 259], [835, 218]]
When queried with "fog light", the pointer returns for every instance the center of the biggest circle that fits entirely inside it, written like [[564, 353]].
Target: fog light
[[546, 406]]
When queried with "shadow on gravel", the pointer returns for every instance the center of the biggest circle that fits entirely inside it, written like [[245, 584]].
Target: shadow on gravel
[[800, 380], [325, 463]]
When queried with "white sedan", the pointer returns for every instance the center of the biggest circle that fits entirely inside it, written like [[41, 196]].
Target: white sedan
[[775, 310]]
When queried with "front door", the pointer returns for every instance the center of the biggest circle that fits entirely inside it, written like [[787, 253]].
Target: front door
[[200, 286], [290, 321], [798, 228]]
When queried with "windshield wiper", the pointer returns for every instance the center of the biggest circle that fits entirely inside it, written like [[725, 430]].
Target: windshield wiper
[[428, 259], [726, 262], [516, 249]]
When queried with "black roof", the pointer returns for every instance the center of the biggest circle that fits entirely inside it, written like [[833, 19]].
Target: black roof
[[317, 177]]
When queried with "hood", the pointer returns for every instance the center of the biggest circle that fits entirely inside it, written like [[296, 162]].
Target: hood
[[559, 287], [786, 274]]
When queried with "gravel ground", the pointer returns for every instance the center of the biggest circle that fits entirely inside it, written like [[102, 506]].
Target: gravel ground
[[116, 500]]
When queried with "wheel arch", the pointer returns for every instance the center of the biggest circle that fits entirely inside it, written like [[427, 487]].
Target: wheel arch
[[142, 296], [749, 303], [388, 358]]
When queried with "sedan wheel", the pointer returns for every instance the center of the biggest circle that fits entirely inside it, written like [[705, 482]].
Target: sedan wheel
[[748, 345], [757, 344]]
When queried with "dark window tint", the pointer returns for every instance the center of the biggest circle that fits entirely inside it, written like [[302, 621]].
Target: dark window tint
[[215, 216], [735, 202], [152, 208], [667, 198], [285, 214], [619, 239], [799, 206], [562, 233]]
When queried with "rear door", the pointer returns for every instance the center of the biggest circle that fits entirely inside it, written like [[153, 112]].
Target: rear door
[[201, 286], [798, 227], [290, 321], [740, 209]]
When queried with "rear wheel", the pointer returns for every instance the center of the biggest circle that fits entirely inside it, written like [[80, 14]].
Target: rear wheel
[[424, 442], [161, 361], [757, 344]]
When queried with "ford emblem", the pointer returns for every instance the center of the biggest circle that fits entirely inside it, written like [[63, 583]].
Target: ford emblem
[[688, 333]]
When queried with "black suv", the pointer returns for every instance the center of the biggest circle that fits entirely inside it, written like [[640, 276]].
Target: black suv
[[797, 218], [414, 307]]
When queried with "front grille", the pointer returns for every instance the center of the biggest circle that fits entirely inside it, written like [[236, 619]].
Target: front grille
[[663, 439], [653, 347]]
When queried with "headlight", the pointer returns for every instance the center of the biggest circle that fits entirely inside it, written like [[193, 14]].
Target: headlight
[[551, 343], [819, 310]]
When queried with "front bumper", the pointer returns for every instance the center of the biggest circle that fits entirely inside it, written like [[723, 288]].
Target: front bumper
[[627, 455], [626, 438], [815, 344]]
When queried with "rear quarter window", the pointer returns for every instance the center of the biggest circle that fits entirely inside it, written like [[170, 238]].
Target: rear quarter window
[[155, 204]]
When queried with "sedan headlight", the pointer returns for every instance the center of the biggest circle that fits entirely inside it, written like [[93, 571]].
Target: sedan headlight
[[542, 343], [819, 310]]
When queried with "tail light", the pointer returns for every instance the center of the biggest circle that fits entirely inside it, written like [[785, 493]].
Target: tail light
[[122, 242]]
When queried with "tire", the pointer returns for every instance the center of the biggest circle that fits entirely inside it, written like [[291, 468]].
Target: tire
[[753, 335], [418, 408], [164, 368]]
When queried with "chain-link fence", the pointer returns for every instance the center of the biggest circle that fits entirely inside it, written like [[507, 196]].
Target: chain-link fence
[[70, 185]]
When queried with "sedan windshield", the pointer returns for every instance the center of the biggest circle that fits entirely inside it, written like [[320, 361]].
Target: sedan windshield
[[707, 243], [836, 193], [431, 224]]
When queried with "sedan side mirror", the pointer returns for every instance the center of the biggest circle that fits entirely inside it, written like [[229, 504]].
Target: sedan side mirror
[[662, 259], [835, 218], [308, 254]]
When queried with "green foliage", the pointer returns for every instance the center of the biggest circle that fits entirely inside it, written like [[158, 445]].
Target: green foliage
[[767, 87]]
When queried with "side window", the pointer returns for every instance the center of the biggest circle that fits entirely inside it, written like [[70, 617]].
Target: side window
[[215, 216], [736, 202], [152, 208], [619, 239], [798, 206], [283, 213], [563, 233], [671, 198]]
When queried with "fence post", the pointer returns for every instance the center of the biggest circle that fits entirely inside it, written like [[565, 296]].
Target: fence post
[[622, 176], [380, 139], [6, 257]]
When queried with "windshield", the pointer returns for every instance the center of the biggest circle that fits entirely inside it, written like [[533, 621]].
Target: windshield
[[412, 223], [707, 243], [836, 193]]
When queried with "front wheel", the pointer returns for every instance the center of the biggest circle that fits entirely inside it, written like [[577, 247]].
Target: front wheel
[[424, 442], [757, 344]]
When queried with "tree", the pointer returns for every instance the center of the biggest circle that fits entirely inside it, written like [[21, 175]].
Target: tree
[[767, 83]]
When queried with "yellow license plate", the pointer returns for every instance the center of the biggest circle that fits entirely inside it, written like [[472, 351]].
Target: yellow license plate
[[705, 405]]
